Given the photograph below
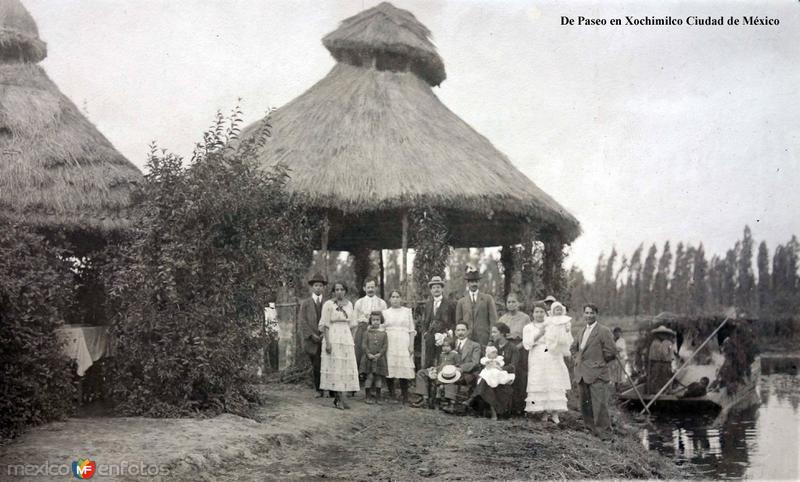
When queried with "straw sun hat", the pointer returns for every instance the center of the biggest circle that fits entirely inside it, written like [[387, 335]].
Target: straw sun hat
[[449, 374]]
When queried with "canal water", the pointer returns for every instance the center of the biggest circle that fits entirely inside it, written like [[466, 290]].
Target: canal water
[[759, 443]]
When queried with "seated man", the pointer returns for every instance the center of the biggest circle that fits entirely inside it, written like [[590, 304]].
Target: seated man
[[427, 384], [468, 366], [696, 389]]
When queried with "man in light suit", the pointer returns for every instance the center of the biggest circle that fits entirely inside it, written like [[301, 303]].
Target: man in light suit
[[592, 350], [470, 355], [308, 318], [438, 316], [476, 309]]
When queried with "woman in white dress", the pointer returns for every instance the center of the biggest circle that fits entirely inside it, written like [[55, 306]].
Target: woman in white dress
[[338, 367], [548, 378], [400, 332]]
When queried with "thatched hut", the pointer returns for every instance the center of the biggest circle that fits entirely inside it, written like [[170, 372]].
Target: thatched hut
[[58, 172], [371, 141]]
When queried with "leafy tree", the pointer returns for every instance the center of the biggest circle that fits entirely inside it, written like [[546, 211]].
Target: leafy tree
[[214, 239], [679, 296], [635, 281], [648, 275], [700, 282], [764, 281], [661, 282], [746, 286], [785, 281], [728, 279]]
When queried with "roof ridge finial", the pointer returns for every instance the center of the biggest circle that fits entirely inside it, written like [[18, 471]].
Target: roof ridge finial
[[388, 38], [19, 35]]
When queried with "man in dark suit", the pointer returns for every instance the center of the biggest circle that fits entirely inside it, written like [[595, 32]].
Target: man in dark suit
[[476, 309], [470, 356], [593, 349], [308, 318], [438, 316]]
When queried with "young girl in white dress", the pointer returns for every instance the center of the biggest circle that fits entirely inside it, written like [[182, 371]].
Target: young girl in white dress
[[399, 326], [338, 366], [548, 377], [493, 373]]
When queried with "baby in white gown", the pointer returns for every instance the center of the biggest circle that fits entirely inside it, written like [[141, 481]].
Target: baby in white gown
[[493, 373], [558, 327]]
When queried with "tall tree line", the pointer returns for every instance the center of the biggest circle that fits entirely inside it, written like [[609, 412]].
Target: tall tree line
[[685, 281]]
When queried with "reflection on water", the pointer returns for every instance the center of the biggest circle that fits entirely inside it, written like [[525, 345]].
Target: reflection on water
[[760, 442]]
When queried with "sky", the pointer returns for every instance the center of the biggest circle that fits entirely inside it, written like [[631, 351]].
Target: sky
[[644, 133]]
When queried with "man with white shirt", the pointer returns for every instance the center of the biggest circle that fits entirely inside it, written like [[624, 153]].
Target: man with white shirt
[[361, 310], [437, 317], [476, 309], [593, 349], [308, 318]]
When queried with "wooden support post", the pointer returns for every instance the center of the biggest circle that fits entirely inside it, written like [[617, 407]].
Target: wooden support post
[[507, 260], [324, 246], [404, 268], [381, 274]]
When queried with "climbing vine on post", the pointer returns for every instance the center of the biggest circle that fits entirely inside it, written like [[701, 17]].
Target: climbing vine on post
[[553, 275], [362, 266], [529, 262], [431, 249]]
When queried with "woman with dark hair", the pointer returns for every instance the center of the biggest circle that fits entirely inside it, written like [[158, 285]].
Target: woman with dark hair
[[338, 368], [499, 399], [399, 326], [516, 320], [548, 377]]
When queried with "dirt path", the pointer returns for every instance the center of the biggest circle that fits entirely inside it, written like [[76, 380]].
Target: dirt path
[[300, 437], [391, 442]]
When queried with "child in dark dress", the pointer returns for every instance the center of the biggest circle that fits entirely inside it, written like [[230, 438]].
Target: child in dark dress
[[373, 361]]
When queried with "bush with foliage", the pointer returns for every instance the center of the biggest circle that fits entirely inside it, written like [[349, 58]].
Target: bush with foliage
[[37, 382], [215, 238]]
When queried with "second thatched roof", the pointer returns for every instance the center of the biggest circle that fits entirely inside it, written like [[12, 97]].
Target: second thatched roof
[[372, 137], [57, 169]]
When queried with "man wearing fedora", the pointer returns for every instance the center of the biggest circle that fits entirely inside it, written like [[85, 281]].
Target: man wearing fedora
[[438, 316], [308, 318], [593, 349], [476, 309]]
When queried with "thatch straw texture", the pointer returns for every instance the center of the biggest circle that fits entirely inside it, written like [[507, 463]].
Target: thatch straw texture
[[56, 168], [19, 36], [388, 38], [362, 140]]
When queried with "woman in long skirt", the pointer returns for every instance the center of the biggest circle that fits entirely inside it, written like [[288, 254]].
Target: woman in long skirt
[[399, 326], [338, 367], [516, 321], [548, 378]]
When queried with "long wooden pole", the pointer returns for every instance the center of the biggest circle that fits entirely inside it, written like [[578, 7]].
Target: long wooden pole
[[638, 394], [696, 351]]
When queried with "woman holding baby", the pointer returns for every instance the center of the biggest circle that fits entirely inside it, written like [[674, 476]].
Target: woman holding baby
[[547, 340], [494, 389]]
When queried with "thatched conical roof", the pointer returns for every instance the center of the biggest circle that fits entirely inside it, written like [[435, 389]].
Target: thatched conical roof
[[371, 139], [57, 169]]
